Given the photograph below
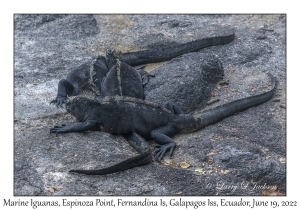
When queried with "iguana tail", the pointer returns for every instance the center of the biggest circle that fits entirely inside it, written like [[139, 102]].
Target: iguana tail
[[142, 159], [216, 114], [152, 56]]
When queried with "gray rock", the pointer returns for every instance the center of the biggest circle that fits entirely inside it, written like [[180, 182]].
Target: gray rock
[[186, 80]]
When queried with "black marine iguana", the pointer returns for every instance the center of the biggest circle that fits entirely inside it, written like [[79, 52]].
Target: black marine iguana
[[124, 115], [124, 80], [102, 77], [91, 75]]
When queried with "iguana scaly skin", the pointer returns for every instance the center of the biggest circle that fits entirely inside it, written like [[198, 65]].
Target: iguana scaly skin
[[153, 56], [124, 80], [91, 75], [122, 115]]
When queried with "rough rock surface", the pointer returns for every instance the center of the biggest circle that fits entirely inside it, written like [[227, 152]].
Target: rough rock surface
[[186, 80], [247, 150]]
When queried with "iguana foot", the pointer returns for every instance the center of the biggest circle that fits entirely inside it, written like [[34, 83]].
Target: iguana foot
[[162, 149], [75, 127], [59, 101], [59, 129]]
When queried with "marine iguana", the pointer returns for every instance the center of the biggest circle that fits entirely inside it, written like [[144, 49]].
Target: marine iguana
[[121, 79], [94, 75], [90, 76], [124, 80], [124, 115], [154, 56]]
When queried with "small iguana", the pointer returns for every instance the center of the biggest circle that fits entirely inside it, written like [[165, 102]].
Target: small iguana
[[125, 115], [90, 76]]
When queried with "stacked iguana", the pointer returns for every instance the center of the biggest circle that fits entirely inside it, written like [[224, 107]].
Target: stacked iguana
[[93, 75], [126, 115]]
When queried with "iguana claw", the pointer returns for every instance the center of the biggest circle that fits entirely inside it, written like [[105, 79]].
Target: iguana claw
[[58, 101], [162, 149], [58, 129]]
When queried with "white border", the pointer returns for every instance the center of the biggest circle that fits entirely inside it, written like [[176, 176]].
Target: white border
[[9, 8]]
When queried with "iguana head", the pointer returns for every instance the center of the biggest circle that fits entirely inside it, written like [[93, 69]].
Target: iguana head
[[112, 56], [73, 106], [78, 106]]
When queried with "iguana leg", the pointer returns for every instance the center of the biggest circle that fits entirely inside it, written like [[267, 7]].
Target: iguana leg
[[174, 108], [65, 88], [165, 143], [137, 142], [74, 127]]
